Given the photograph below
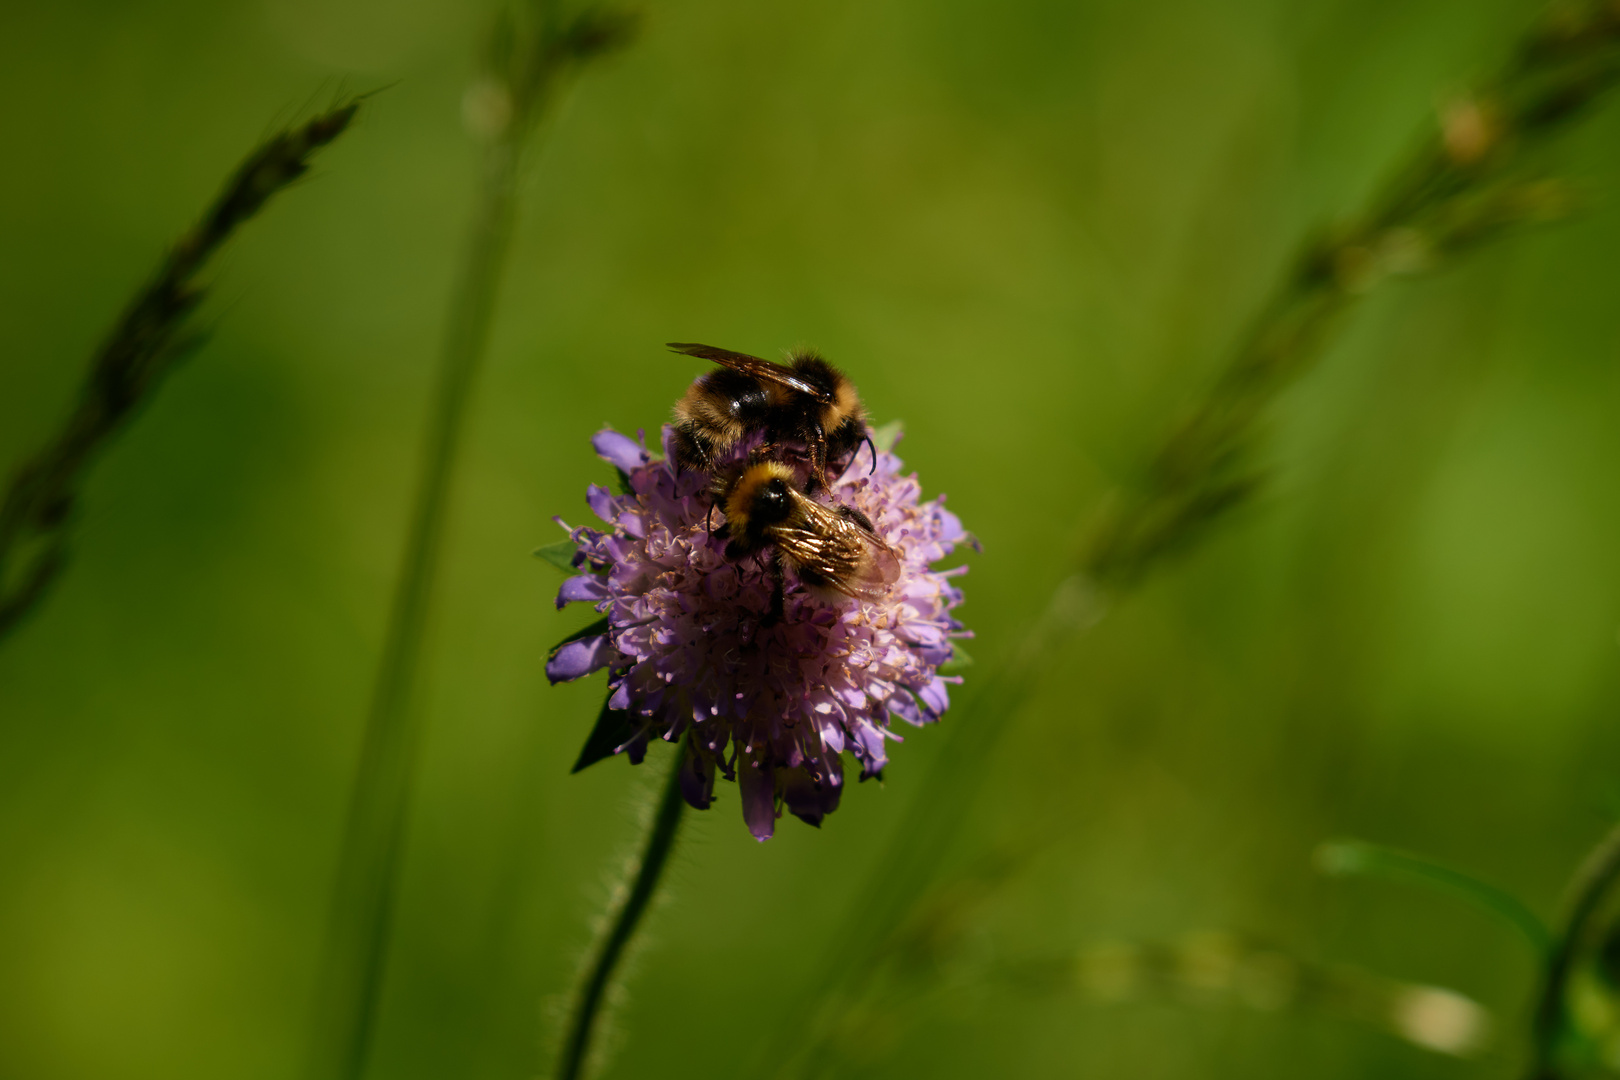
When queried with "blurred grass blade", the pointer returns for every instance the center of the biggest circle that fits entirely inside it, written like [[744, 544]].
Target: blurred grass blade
[[149, 340], [1216, 968], [520, 80], [1356, 858]]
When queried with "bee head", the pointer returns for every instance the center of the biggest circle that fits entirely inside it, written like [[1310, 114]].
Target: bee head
[[771, 501], [762, 495]]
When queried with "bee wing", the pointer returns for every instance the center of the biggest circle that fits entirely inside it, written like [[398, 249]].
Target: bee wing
[[852, 560], [752, 365]]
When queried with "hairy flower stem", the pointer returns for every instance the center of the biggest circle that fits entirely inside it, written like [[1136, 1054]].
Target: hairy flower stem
[[363, 900], [1592, 885], [591, 994], [1469, 182], [147, 343]]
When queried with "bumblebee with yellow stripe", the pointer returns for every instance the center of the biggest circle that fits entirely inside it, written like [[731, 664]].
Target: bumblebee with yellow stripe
[[806, 402], [834, 550]]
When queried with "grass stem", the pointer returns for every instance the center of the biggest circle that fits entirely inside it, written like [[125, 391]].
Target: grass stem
[[1469, 181], [523, 74], [147, 343], [362, 914]]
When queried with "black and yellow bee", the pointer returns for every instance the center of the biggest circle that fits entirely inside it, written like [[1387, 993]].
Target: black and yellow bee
[[834, 550], [806, 402]]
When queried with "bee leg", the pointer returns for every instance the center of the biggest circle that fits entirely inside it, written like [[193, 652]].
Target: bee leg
[[867, 439], [692, 450], [815, 440]]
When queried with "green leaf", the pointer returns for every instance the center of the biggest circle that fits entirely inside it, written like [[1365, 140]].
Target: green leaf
[[600, 626], [959, 660], [560, 555], [886, 436], [614, 728], [1357, 858]]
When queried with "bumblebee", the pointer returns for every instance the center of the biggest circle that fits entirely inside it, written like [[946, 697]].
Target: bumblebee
[[807, 401], [834, 550]]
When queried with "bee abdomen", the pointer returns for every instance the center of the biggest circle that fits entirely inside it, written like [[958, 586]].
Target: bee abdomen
[[740, 398], [812, 579]]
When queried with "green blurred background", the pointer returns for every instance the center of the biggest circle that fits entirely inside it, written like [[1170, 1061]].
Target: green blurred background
[[1028, 229]]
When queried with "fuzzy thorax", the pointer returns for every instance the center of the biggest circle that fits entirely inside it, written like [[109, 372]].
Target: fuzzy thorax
[[846, 405]]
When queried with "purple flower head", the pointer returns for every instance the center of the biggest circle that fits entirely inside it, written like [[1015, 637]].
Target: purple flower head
[[693, 658]]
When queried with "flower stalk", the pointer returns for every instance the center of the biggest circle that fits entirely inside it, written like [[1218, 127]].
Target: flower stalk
[[585, 1014], [525, 68]]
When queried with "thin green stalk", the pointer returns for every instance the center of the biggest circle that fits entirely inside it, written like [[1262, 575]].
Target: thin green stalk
[[148, 342], [591, 995], [519, 84], [1593, 883], [1466, 183]]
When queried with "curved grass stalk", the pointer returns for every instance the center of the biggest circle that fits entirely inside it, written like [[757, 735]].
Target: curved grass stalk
[[1593, 883]]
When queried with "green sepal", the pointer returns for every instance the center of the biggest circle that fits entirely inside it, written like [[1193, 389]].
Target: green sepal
[[624, 482], [959, 660], [886, 436], [600, 626], [613, 729], [561, 555]]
